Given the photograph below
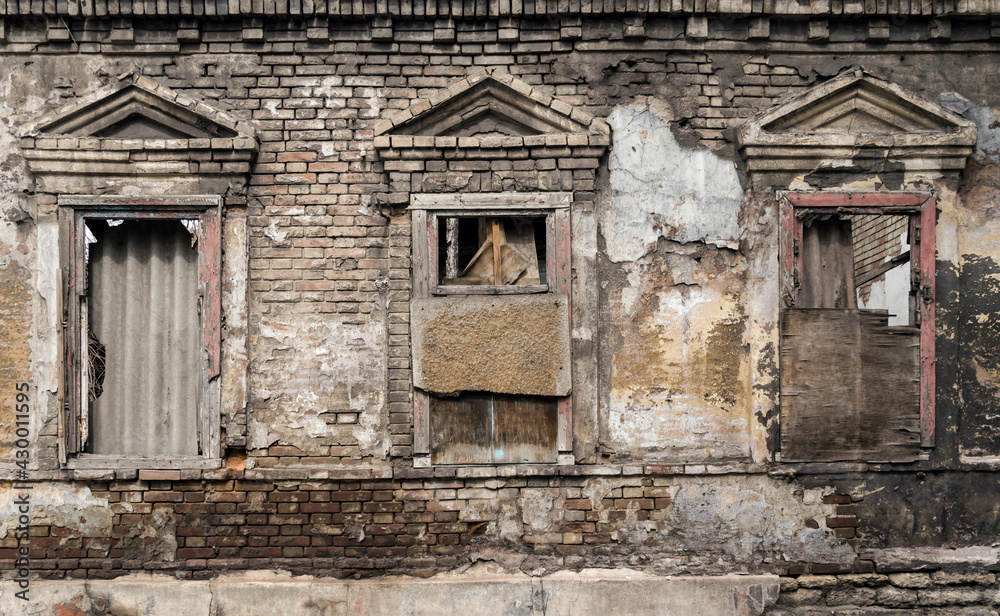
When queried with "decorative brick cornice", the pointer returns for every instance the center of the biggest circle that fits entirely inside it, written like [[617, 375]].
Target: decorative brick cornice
[[481, 9]]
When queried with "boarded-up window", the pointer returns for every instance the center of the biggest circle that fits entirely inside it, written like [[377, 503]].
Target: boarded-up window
[[850, 387], [142, 337], [856, 329], [490, 328]]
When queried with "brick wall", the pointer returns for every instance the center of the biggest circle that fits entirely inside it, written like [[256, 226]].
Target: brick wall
[[327, 239], [876, 240], [415, 524]]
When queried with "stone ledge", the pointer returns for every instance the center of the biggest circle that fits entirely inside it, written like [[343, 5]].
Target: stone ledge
[[272, 593]]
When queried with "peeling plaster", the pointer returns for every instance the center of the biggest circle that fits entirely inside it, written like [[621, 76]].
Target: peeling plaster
[[18, 266], [307, 371], [985, 119], [659, 189], [680, 373], [747, 520], [72, 507], [273, 232], [536, 508]]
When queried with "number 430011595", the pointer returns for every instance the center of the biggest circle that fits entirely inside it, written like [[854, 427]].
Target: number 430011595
[[21, 416]]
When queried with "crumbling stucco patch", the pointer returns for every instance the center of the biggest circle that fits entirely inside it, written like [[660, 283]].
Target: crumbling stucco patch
[[504, 344], [319, 382], [15, 319], [16, 275], [536, 508], [153, 539], [235, 358], [754, 523], [985, 119], [72, 507], [679, 377], [749, 519], [659, 189]]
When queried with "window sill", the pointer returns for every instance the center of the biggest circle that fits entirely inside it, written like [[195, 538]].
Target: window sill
[[466, 289], [111, 462]]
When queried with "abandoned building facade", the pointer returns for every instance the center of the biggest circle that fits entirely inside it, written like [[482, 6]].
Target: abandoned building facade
[[508, 306]]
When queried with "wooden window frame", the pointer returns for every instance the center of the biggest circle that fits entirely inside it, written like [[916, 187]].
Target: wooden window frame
[[921, 209], [74, 211], [425, 211]]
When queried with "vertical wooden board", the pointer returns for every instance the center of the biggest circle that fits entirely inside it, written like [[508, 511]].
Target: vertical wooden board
[[817, 409], [564, 436], [890, 396], [71, 227], [849, 387], [562, 276], [421, 254], [524, 429], [421, 423], [927, 301], [210, 275], [786, 252], [460, 429]]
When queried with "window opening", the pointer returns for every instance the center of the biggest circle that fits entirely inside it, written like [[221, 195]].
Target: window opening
[[883, 276], [469, 247], [858, 261], [857, 328], [141, 317]]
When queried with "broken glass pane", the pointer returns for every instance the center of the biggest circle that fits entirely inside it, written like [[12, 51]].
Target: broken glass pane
[[469, 246]]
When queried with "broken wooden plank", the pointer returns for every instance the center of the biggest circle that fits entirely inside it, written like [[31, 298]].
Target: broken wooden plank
[[497, 261]]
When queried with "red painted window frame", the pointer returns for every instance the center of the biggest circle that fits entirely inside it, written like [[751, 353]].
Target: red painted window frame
[[208, 211], [922, 209]]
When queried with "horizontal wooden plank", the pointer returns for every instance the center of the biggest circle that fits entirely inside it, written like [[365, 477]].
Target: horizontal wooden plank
[[111, 201], [115, 462], [486, 201], [861, 199], [489, 289]]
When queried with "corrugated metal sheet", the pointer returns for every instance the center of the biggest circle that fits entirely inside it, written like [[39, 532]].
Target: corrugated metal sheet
[[143, 304]]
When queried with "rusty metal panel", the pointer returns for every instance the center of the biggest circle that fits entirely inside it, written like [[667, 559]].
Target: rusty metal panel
[[144, 311], [516, 344], [850, 387]]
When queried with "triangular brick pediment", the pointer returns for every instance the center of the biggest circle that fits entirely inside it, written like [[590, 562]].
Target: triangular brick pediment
[[859, 104], [486, 105], [100, 143], [136, 107], [855, 110]]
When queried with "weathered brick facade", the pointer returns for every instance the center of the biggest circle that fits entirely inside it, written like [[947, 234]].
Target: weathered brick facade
[[672, 464]]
